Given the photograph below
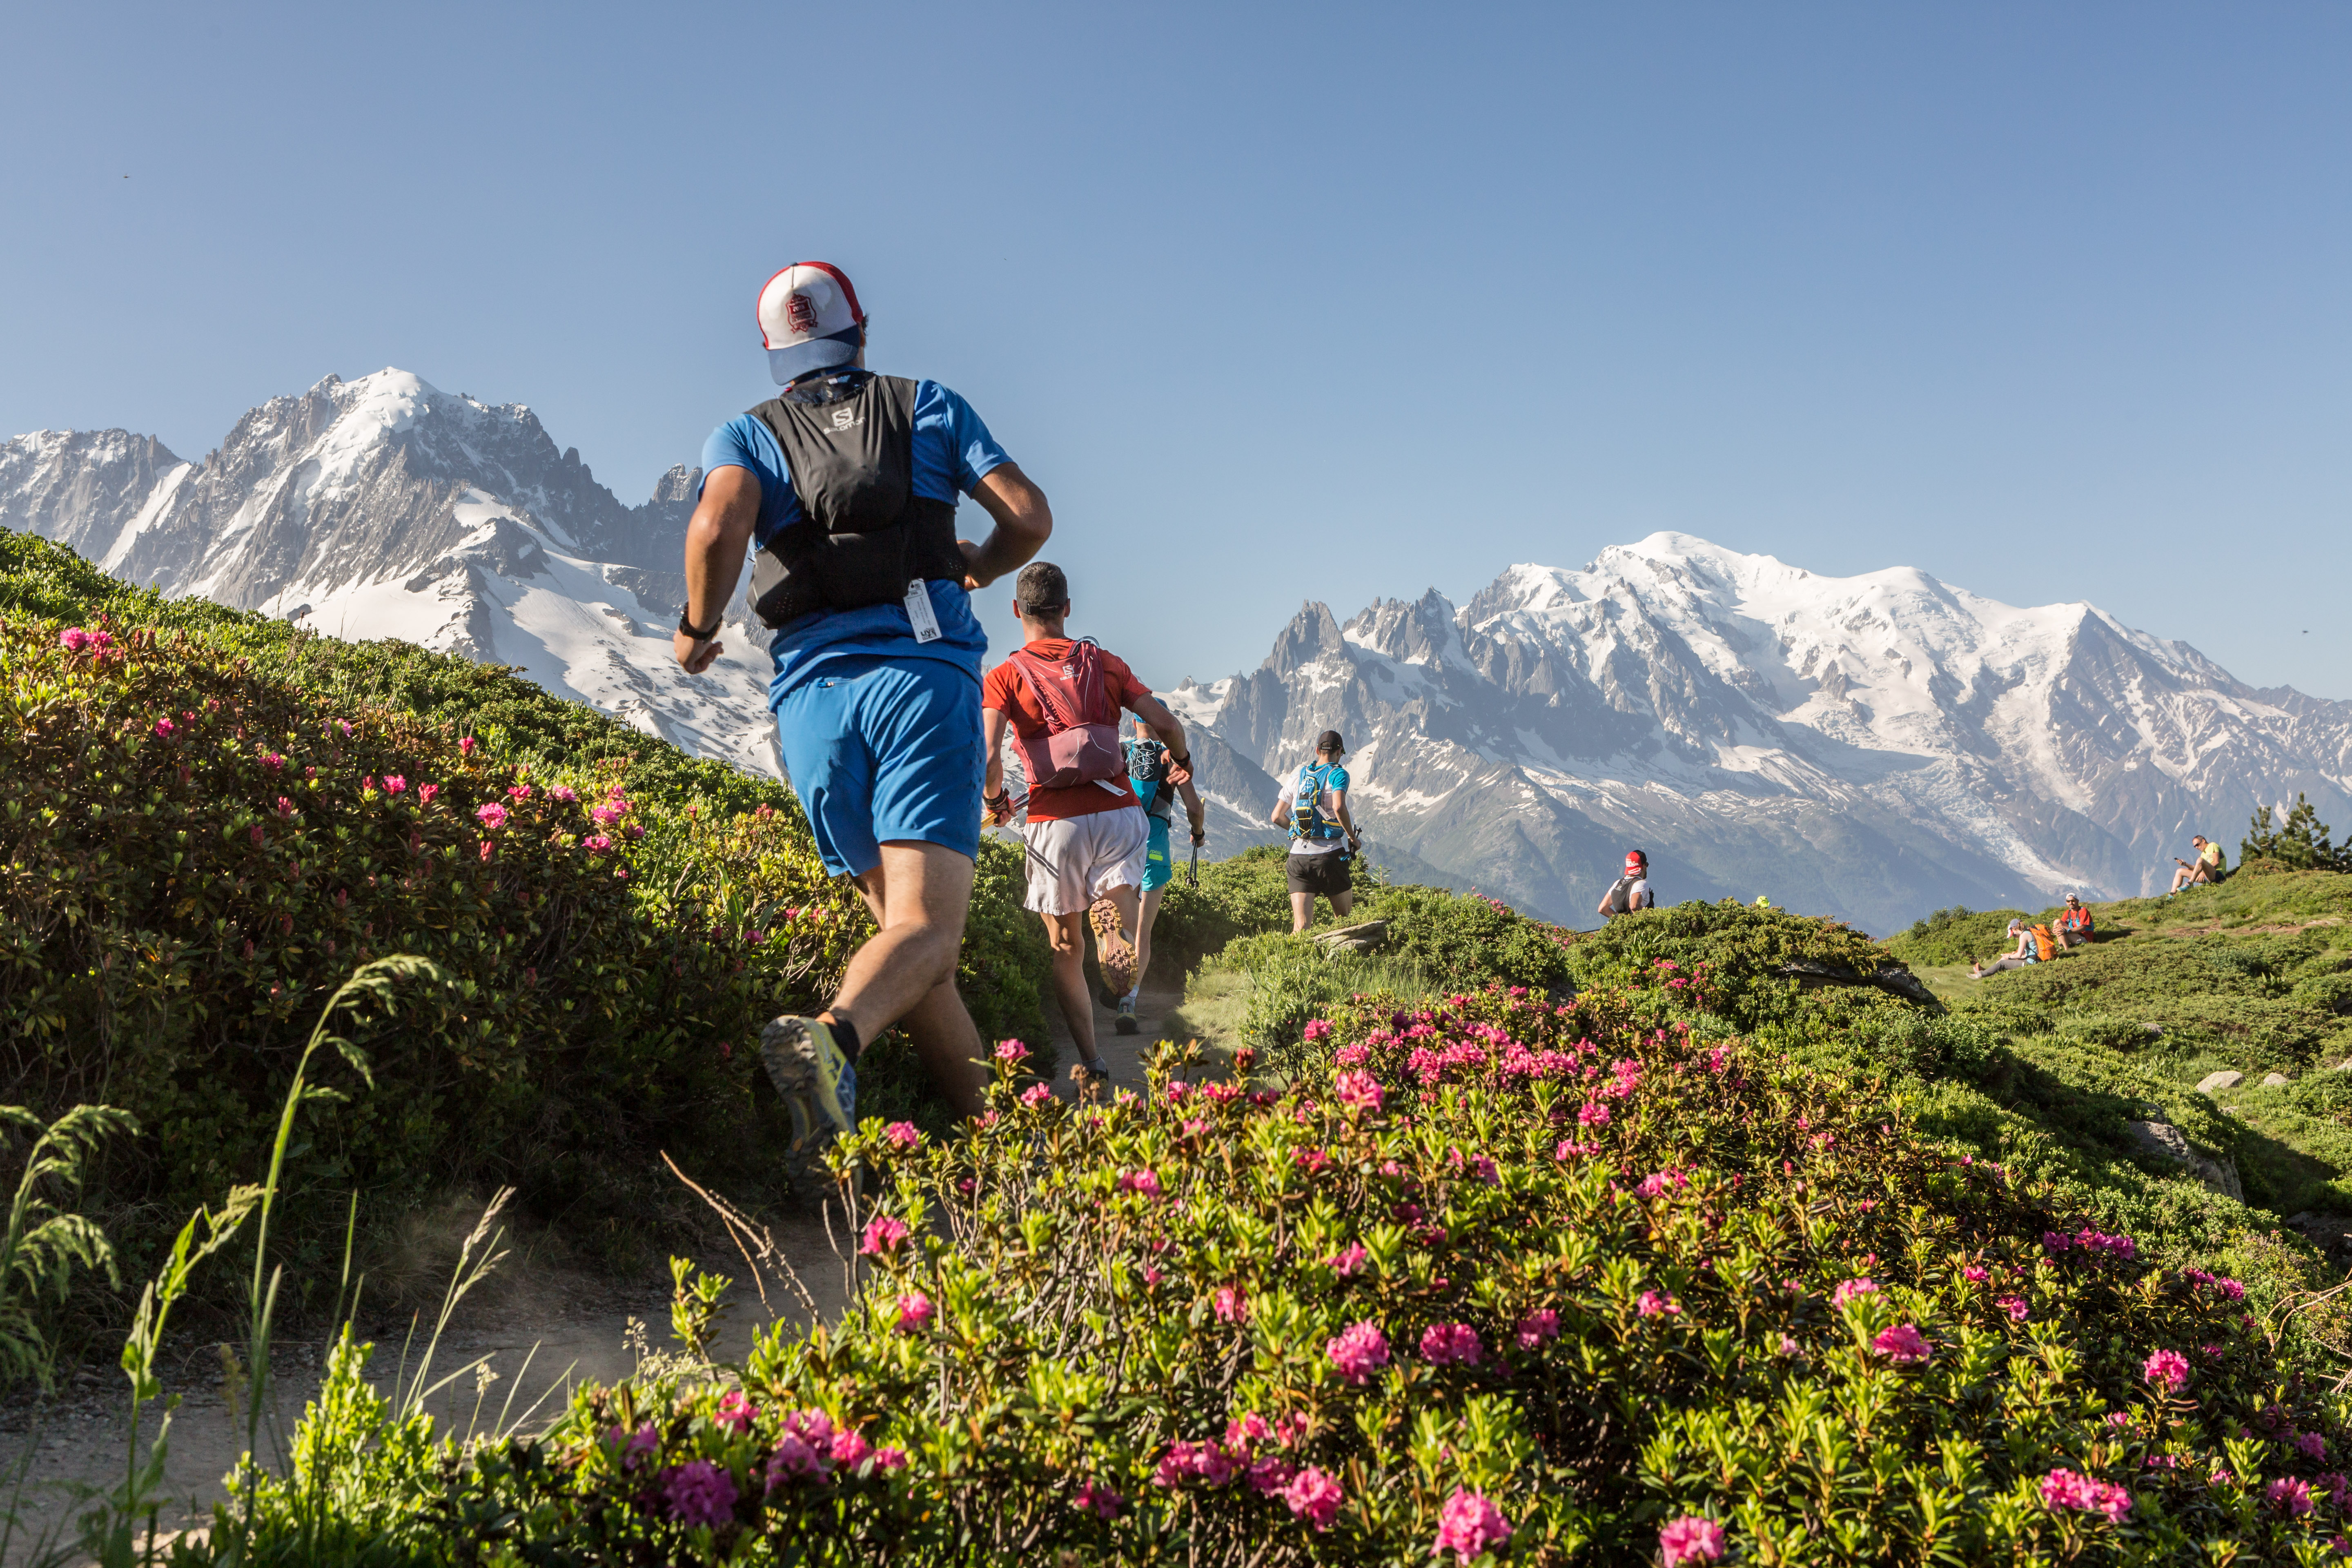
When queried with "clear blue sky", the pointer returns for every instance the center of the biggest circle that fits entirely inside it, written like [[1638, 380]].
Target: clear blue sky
[[2054, 302]]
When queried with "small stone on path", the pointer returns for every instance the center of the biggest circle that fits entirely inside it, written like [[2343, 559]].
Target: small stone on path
[[2214, 1081]]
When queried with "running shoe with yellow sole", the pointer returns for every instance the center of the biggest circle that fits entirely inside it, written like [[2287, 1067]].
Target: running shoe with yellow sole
[[815, 1079]]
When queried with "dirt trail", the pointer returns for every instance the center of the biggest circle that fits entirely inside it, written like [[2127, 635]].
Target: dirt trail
[[569, 1327]]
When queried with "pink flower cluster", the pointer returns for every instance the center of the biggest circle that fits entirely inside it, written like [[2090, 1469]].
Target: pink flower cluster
[[2098, 1245], [2229, 1290], [74, 640], [1231, 1306], [905, 1135], [1357, 1090], [883, 1236], [1346, 1262], [1690, 1539], [1099, 1500], [1145, 1183], [1358, 1351], [1653, 1305], [2287, 1495], [490, 814], [915, 1312], [1468, 1524], [1012, 1051], [1904, 1345], [1451, 1344], [1316, 1029], [1853, 1290], [1314, 1497], [2166, 1369], [2065, 1491], [1536, 1327], [2014, 1306], [735, 1411], [1036, 1094], [1211, 1463], [699, 1492], [1659, 1183]]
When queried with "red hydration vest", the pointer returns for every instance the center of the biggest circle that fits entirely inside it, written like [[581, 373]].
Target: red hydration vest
[[1081, 739]]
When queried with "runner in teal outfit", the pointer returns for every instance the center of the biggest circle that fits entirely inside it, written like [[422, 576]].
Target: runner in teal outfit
[[1147, 771]]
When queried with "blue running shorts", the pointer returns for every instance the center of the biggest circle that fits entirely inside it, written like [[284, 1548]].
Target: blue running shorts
[[1159, 871], [883, 748]]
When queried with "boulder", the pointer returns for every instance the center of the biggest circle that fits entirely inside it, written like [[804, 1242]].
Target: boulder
[[2274, 1081], [2163, 1142], [2213, 1082], [1368, 937]]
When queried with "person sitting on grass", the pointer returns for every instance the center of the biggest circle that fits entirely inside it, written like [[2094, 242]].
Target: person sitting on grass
[[2075, 926], [2023, 954], [2210, 867]]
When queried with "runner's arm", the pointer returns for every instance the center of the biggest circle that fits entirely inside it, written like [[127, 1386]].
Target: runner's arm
[[718, 537], [1170, 730], [992, 725], [1023, 524], [1193, 809], [1339, 810], [1281, 817]]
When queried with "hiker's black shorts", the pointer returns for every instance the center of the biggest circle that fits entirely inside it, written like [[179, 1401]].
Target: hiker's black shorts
[[1319, 874]]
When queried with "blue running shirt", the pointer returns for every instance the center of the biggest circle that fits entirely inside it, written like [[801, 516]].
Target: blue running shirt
[[953, 452]]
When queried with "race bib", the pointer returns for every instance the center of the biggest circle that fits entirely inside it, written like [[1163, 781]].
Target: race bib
[[919, 611]]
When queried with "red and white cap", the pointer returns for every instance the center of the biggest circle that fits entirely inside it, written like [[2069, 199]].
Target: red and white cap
[[1636, 863], [809, 320]]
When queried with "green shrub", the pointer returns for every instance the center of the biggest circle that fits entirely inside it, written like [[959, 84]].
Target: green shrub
[[212, 818], [1245, 895], [1956, 935], [1567, 1272], [2102, 1029], [1463, 941]]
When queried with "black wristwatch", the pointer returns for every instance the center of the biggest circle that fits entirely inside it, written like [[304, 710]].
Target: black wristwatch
[[689, 629]]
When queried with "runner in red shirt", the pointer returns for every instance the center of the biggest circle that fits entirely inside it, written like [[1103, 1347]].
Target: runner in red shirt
[[1086, 832]]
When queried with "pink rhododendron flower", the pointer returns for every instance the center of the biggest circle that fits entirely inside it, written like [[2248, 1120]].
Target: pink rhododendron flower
[[1012, 1051], [883, 1236], [2166, 1369], [1345, 1263], [2014, 1306], [1592, 1114], [1143, 1182], [489, 848], [1036, 1094], [1468, 1524], [1232, 1308], [642, 1445], [424, 794], [1690, 1539], [1652, 1305], [394, 783], [1099, 1500], [1974, 1275], [491, 814], [1354, 1055], [1357, 1090], [1536, 1327], [905, 1135], [466, 745], [595, 844], [890, 1459], [518, 792], [1854, 1289], [564, 793], [1270, 1476], [1447, 1344], [1358, 1351], [2289, 1495], [734, 1411], [850, 1449], [1314, 1497], [164, 727], [1902, 1344], [699, 1492], [2312, 1445], [796, 1458], [2064, 1490], [1316, 1029], [914, 1312], [73, 639]]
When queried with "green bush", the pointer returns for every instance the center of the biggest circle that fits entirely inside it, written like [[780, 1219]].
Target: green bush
[[1463, 941], [213, 819], [1569, 1274], [2102, 1029], [1956, 935], [1245, 895]]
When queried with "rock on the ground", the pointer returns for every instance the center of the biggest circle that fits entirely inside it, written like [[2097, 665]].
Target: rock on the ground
[[2275, 1080], [1364, 938], [2163, 1141], [2213, 1082]]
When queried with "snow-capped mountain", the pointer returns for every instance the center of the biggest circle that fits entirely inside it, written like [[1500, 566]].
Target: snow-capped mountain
[[1871, 746], [385, 508]]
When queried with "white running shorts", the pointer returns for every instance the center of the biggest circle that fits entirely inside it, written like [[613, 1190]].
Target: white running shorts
[[1073, 860]]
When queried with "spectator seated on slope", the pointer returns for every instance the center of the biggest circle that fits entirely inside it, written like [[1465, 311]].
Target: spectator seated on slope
[[2074, 924], [2024, 952], [2210, 866]]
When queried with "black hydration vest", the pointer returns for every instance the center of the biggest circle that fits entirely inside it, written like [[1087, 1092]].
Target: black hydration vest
[[864, 536]]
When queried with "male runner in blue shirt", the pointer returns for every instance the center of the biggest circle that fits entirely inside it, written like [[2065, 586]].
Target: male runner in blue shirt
[[846, 483]]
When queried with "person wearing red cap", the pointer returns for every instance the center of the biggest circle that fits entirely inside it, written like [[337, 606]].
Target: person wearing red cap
[[847, 485], [1631, 891]]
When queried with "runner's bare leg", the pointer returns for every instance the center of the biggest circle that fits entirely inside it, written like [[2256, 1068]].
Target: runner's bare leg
[[906, 974]]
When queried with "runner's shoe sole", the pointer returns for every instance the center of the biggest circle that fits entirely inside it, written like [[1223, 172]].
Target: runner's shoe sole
[[819, 1087], [1112, 951]]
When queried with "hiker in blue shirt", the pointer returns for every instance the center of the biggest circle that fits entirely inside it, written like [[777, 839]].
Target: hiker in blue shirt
[[846, 483], [1323, 837]]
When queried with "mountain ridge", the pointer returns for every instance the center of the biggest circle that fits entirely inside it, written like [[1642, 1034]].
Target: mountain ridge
[[1868, 746]]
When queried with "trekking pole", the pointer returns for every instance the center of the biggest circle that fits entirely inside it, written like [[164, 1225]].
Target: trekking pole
[[1192, 876]]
